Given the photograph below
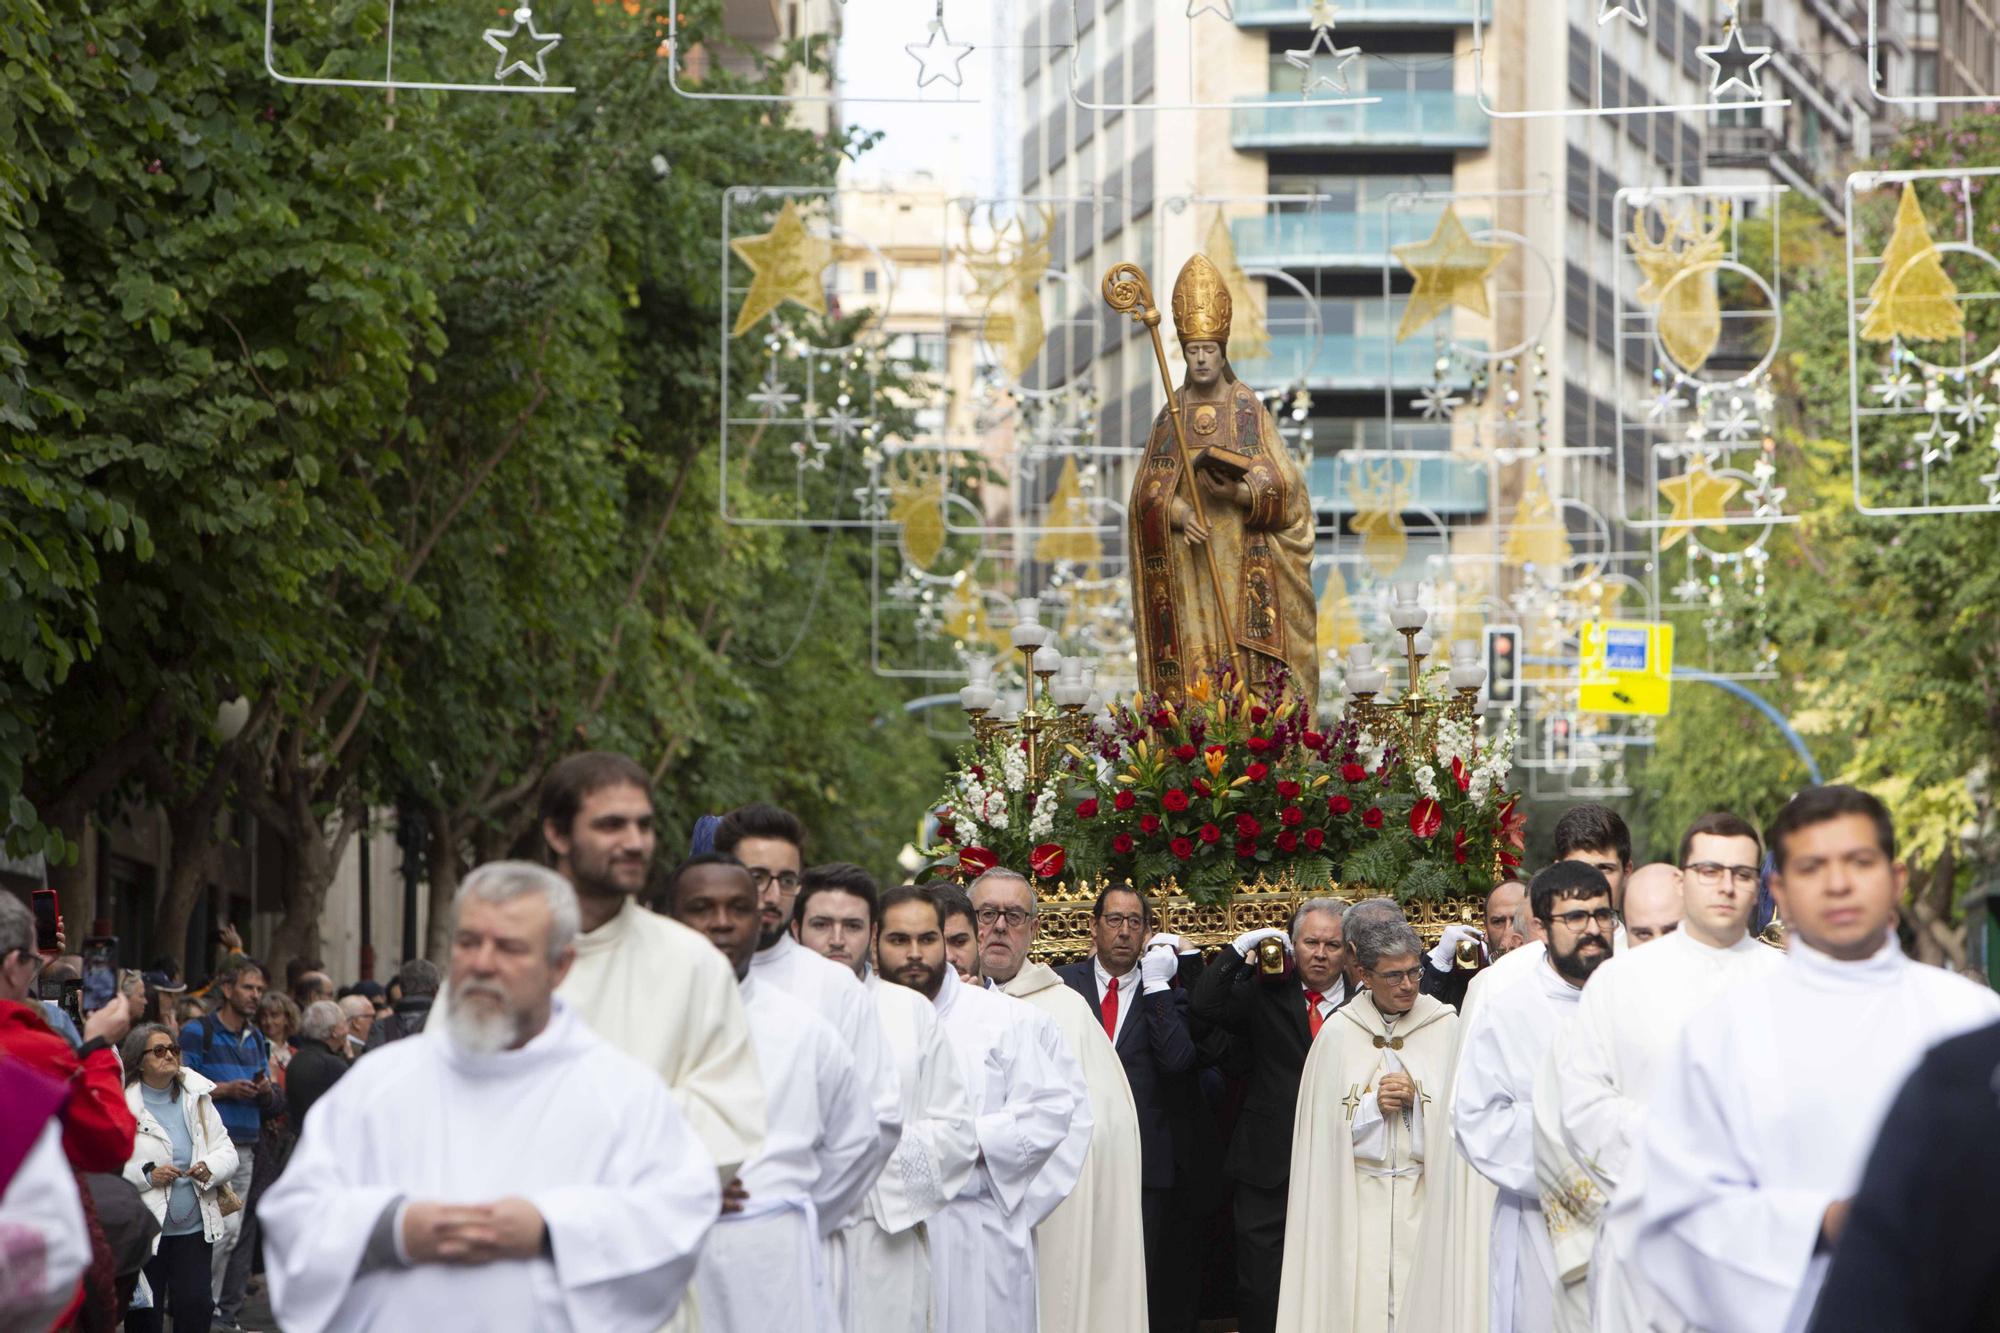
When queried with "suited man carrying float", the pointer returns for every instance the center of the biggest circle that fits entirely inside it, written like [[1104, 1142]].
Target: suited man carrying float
[[1145, 1015], [1272, 1020]]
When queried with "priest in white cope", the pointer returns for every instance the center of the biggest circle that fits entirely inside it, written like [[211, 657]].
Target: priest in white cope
[[1025, 1103], [649, 986], [1761, 1121], [1506, 1040], [1370, 1121], [506, 1169], [1090, 1261], [1627, 1024], [764, 1269], [884, 1255]]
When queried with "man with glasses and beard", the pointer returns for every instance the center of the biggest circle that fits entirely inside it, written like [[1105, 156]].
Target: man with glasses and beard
[[551, 1183], [1505, 1045]]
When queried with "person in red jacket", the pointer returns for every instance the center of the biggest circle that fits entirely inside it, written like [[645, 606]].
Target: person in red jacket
[[97, 1125]]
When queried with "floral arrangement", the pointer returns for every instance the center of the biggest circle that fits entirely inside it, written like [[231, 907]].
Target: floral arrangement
[[1231, 786]]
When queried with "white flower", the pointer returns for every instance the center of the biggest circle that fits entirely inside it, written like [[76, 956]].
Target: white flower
[[1426, 779]]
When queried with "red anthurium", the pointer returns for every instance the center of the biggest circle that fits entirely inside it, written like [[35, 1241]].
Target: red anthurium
[[1513, 828], [1458, 847], [1426, 818], [1087, 809], [976, 861], [1461, 774], [1047, 860]]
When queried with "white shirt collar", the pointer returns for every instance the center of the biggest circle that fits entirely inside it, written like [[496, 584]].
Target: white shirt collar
[[1127, 984]]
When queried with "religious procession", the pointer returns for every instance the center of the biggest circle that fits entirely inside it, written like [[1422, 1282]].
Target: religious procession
[[1000, 666]]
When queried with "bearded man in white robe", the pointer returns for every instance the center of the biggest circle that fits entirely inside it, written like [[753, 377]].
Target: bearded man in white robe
[[764, 1269], [1025, 1102], [1762, 1120], [506, 1169], [1371, 1120], [1507, 1039], [1627, 1023], [883, 1257], [1090, 1261]]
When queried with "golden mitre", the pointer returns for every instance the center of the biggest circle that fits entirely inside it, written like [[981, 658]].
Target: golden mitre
[[1201, 303]]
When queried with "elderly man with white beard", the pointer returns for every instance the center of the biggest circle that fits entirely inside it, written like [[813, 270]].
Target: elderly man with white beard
[[505, 1169]]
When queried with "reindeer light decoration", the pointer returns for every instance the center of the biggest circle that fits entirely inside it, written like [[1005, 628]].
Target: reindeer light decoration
[[1680, 269], [1007, 277]]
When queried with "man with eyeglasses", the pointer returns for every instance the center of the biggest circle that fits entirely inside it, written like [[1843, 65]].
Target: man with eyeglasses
[[1090, 1260], [1507, 1041], [1627, 1023], [1129, 980]]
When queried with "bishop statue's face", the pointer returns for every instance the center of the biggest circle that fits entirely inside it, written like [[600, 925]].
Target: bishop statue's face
[[1204, 363]]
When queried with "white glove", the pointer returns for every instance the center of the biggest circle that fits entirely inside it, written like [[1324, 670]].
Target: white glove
[[1246, 943], [1157, 968], [1179, 942], [1446, 951]]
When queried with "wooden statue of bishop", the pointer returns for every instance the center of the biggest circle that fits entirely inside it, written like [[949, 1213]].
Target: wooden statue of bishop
[[1223, 577]]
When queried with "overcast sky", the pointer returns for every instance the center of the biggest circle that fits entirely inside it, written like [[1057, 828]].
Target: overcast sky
[[956, 141]]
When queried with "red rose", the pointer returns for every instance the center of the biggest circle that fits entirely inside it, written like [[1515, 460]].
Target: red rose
[[1258, 713], [1246, 848], [1123, 844], [1201, 787], [976, 860], [1458, 847], [1372, 816], [1149, 823], [1256, 772], [1175, 800], [1288, 841], [1182, 848], [1247, 826], [1087, 809], [1291, 815], [1315, 838], [1289, 790], [1313, 739], [1426, 818], [948, 831], [1352, 772], [1159, 720], [1046, 860], [1185, 753], [1338, 805], [1209, 834], [1257, 745], [1124, 800]]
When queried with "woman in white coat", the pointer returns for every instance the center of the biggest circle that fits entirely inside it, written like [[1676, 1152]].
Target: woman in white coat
[[181, 1159]]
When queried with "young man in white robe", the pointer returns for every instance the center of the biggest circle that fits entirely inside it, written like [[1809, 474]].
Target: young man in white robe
[[1762, 1118], [505, 1169], [1626, 1026], [883, 1257], [1506, 1039], [764, 1269], [1023, 1102], [1371, 1120], [1090, 1262]]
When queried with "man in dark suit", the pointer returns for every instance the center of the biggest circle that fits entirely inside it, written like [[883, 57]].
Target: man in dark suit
[[1273, 1020], [1506, 911], [1146, 1018]]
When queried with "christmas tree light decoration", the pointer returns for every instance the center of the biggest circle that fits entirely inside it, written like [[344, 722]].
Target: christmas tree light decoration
[[534, 47], [1451, 270], [1912, 296], [1536, 540], [1379, 495], [785, 263], [1249, 336], [1697, 496], [1073, 533]]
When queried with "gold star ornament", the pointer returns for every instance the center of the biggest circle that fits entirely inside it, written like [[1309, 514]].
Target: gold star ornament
[[785, 265], [1697, 496], [1451, 270]]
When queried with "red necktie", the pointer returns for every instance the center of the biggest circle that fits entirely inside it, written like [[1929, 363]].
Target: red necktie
[[1313, 1020], [1109, 1008]]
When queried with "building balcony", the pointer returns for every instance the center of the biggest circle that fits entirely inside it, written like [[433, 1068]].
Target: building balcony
[[1401, 120], [1762, 149], [1364, 13], [1333, 240], [1445, 484], [1342, 363]]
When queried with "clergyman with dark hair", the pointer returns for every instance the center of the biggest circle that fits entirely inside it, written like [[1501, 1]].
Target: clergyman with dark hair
[[1761, 1121], [1506, 1045]]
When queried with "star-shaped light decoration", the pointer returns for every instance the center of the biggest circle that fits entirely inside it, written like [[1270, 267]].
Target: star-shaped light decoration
[[1632, 11], [1451, 270], [1735, 423], [785, 264], [1971, 409], [1322, 44], [534, 47], [1897, 389], [1226, 9], [939, 57], [1935, 441], [1437, 403], [1734, 65], [1697, 496]]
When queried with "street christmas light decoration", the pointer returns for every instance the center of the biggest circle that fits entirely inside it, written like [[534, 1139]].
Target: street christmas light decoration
[[938, 57], [517, 50], [1451, 269]]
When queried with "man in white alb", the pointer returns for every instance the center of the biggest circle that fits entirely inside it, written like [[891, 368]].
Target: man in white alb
[[1762, 1118], [1023, 1104], [764, 1268], [884, 1256], [505, 1169], [1627, 1023], [1507, 1037]]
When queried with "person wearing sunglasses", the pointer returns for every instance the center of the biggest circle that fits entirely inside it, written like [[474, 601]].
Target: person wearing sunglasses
[[182, 1158]]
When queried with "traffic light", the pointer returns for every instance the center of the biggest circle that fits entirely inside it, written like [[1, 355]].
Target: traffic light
[[1562, 753], [1503, 665]]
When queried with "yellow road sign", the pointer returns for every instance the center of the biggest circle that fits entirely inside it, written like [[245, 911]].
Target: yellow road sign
[[1627, 666]]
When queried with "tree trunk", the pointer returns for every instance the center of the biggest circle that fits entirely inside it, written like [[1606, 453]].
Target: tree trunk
[[1939, 940], [191, 858], [76, 892], [444, 867], [317, 848]]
